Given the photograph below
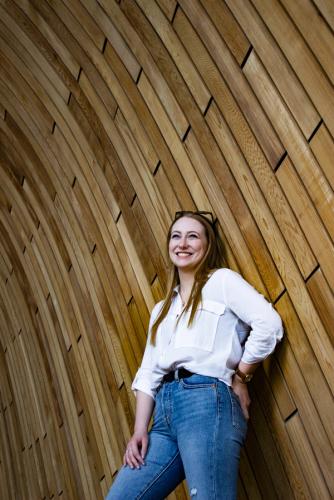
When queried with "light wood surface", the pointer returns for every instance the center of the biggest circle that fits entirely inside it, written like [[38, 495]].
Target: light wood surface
[[114, 115]]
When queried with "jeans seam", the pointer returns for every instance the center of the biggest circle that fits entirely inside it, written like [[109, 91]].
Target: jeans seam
[[233, 410], [154, 480], [215, 444]]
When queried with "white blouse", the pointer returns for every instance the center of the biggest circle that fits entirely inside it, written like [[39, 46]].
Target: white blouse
[[233, 322]]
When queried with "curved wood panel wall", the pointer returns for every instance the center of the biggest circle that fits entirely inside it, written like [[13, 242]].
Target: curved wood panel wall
[[113, 115]]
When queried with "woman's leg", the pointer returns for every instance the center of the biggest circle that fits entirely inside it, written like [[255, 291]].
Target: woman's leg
[[155, 480], [163, 469], [211, 430]]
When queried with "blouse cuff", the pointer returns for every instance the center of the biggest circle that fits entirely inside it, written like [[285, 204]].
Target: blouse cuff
[[143, 384]]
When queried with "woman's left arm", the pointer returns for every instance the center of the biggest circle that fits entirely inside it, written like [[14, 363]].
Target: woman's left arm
[[252, 308], [266, 329]]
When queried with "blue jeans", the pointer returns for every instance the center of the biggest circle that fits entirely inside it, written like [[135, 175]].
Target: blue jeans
[[198, 431]]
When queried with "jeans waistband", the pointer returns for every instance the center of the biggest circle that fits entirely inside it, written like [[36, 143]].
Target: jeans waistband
[[177, 374]]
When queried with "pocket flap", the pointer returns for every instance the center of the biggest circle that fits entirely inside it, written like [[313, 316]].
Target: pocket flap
[[213, 306]]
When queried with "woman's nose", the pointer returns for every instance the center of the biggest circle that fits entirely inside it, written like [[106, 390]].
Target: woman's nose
[[183, 242]]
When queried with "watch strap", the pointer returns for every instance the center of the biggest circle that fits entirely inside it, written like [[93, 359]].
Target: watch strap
[[244, 377]]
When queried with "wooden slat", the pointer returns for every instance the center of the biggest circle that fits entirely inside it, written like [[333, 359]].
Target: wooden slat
[[293, 469], [112, 34], [92, 451], [304, 452], [7, 469], [49, 472], [277, 66], [309, 370], [21, 478], [315, 30], [10, 17], [300, 58], [308, 411], [168, 7], [146, 191], [183, 62], [323, 297], [172, 140], [125, 341], [19, 87], [308, 217], [40, 469], [6, 259], [257, 462], [322, 146], [5, 395], [276, 199], [296, 146], [51, 37], [235, 80], [140, 51], [152, 138], [265, 440], [131, 106], [228, 28], [2, 112], [279, 387], [94, 406], [88, 22], [326, 9]]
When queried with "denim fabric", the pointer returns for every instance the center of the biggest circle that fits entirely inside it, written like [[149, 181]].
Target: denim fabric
[[198, 431]]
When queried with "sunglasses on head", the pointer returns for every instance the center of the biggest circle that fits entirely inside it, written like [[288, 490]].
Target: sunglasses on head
[[208, 216]]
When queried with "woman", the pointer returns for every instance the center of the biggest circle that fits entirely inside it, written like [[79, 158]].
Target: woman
[[205, 341]]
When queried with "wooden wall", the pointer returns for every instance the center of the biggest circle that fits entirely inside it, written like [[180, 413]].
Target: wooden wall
[[113, 115]]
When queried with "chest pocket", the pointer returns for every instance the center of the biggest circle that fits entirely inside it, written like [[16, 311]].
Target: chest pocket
[[202, 333]]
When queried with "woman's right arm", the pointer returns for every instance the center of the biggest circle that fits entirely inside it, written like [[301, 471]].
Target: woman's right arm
[[137, 446], [146, 381]]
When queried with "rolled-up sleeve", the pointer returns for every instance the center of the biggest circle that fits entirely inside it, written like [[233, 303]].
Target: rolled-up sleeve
[[252, 308], [148, 377]]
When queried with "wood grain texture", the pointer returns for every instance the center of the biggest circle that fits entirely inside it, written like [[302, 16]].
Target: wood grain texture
[[114, 115]]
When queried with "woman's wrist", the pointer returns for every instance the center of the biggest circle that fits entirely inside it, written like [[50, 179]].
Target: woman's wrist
[[243, 377], [244, 372], [140, 429]]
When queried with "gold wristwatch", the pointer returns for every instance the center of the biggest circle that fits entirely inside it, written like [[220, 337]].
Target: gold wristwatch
[[245, 377]]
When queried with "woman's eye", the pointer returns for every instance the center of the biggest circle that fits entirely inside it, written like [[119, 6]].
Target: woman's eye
[[193, 236], [174, 236]]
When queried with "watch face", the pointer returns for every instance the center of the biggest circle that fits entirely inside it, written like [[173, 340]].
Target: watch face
[[245, 377]]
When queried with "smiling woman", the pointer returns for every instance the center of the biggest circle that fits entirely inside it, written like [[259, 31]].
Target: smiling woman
[[206, 339]]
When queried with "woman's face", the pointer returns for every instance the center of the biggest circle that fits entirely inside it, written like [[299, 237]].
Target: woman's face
[[188, 243]]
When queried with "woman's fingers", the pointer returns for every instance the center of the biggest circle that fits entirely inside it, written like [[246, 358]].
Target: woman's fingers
[[144, 445], [241, 390], [245, 412], [245, 405], [132, 455]]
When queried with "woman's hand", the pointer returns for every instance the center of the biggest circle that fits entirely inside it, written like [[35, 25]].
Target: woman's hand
[[241, 390], [136, 449]]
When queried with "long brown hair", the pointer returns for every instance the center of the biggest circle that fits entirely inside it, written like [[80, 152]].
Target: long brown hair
[[213, 258]]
